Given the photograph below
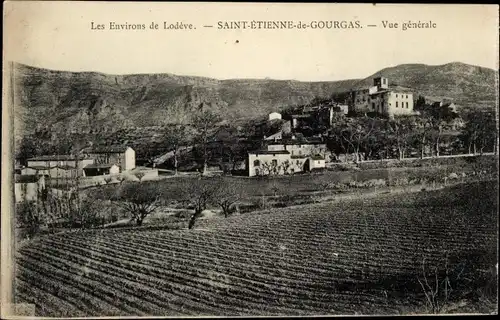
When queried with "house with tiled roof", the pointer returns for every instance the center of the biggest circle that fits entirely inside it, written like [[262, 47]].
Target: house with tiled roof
[[119, 155]]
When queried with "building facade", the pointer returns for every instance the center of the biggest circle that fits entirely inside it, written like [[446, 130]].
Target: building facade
[[297, 148], [51, 161], [382, 100], [27, 187], [274, 116], [267, 162], [122, 156], [317, 162]]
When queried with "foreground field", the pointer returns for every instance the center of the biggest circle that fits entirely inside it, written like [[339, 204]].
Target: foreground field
[[346, 257]]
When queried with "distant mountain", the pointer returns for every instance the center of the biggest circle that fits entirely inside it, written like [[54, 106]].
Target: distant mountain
[[60, 101]]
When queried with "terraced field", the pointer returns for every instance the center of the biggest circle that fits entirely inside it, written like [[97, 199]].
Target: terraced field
[[333, 258]]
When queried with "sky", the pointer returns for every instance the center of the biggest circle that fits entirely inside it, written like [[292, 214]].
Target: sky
[[58, 35]]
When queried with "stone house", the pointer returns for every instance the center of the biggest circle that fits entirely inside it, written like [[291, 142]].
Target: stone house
[[27, 187], [267, 162], [51, 161], [380, 99], [299, 148]]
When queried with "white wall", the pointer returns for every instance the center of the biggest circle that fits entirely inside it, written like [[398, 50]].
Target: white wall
[[274, 116], [128, 161], [252, 170], [28, 191], [401, 99], [317, 164]]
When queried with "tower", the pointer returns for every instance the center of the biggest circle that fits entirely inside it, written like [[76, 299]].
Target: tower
[[381, 83]]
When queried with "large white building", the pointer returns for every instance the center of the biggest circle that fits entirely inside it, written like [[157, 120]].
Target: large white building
[[379, 98]]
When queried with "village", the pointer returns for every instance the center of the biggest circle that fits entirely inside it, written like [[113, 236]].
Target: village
[[242, 159], [292, 142]]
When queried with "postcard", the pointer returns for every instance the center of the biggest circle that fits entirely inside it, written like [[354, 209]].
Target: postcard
[[168, 159]]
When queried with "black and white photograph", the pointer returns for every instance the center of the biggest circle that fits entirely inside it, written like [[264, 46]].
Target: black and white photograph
[[168, 159]]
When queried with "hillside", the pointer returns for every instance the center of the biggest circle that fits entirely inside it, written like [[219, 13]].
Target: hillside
[[59, 101], [466, 85]]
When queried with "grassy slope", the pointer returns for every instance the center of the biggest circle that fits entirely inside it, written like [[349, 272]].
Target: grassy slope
[[332, 258]]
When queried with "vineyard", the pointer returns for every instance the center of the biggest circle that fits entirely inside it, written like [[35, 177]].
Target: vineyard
[[351, 257]]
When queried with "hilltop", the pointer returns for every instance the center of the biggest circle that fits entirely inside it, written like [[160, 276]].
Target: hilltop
[[60, 101]]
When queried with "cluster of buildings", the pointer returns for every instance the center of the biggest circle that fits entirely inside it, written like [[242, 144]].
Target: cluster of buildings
[[90, 162], [284, 153], [287, 152], [287, 157]]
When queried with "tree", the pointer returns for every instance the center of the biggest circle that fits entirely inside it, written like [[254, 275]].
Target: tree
[[200, 193], [120, 179], [139, 200], [27, 149], [355, 134], [230, 145], [204, 122], [422, 133], [286, 165], [401, 130], [420, 103], [83, 211], [227, 194], [270, 168], [437, 119], [139, 175], [175, 135], [29, 217], [479, 131]]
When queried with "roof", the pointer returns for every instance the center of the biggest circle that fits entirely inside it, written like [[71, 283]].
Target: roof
[[38, 167], [269, 152], [317, 157], [295, 142], [63, 167], [26, 178], [299, 157], [98, 166], [300, 116], [48, 167], [106, 149], [380, 91], [56, 157]]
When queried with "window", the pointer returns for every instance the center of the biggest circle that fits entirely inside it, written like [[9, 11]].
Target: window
[[407, 105], [406, 96], [300, 152], [274, 162], [373, 105], [384, 81], [256, 163], [396, 95], [396, 104]]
